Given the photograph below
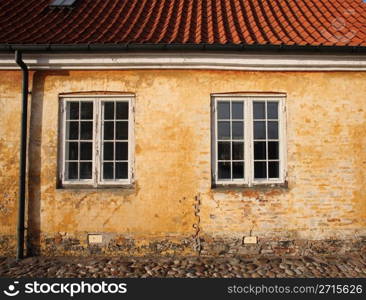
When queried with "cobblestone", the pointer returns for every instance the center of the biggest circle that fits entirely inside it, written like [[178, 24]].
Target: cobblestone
[[191, 267]]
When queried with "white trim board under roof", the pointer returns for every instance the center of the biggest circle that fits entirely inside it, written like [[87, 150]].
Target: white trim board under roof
[[193, 60]]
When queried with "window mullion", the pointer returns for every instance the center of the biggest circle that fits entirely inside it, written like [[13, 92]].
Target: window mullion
[[96, 132], [249, 156]]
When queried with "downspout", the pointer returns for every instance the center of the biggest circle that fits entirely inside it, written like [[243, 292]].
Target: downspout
[[23, 156]]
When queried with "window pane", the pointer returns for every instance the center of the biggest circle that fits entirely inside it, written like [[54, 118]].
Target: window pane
[[72, 131], [108, 153], [86, 151], [273, 130], [86, 130], [121, 151], [108, 130], [108, 170], [273, 152], [237, 110], [108, 110], [224, 170], [114, 130], [121, 170], [72, 151], [86, 170], [273, 169], [86, 110], [223, 110], [224, 130], [224, 151], [238, 170], [272, 110], [260, 170], [72, 111], [238, 130], [259, 130], [259, 110], [122, 130], [72, 170], [122, 110], [238, 150], [260, 150]]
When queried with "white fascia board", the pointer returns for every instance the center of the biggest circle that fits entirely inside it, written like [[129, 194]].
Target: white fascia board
[[217, 61]]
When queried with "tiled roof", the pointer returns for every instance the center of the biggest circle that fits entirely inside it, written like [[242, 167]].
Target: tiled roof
[[247, 22]]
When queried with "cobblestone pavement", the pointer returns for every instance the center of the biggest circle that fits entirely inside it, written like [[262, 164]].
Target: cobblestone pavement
[[193, 267]]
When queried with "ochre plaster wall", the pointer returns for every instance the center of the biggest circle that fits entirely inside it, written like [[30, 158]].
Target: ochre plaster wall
[[325, 198]]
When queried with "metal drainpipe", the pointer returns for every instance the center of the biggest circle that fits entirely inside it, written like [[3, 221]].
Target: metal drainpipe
[[23, 157]]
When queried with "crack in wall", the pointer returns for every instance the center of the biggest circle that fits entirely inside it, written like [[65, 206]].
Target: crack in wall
[[196, 237]]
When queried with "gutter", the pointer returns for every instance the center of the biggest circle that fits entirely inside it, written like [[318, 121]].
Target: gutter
[[9, 48], [23, 156]]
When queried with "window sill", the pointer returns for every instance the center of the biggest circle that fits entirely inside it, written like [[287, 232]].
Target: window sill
[[102, 188], [258, 187]]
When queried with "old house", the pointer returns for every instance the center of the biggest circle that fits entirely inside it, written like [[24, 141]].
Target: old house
[[207, 127]]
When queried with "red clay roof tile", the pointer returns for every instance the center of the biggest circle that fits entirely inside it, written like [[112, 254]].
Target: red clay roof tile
[[285, 22]]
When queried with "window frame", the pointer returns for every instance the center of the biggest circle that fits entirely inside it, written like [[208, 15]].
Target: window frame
[[96, 181], [248, 100]]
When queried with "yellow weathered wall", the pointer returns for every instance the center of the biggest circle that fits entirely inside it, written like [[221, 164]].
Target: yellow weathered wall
[[9, 156], [9, 137], [326, 131]]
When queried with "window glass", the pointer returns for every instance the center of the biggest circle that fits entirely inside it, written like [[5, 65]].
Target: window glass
[[259, 110], [79, 140], [115, 140], [230, 140], [223, 110], [266, 140]]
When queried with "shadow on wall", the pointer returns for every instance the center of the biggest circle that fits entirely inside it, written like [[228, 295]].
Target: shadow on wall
[[33, 239]]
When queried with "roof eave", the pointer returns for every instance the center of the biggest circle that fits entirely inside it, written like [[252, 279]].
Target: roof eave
[[31, 48]]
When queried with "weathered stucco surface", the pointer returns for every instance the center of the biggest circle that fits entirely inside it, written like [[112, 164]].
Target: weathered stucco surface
[[325, 198]]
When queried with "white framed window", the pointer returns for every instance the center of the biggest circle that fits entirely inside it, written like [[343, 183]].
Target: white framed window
[[249, 139], [96, 147]]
